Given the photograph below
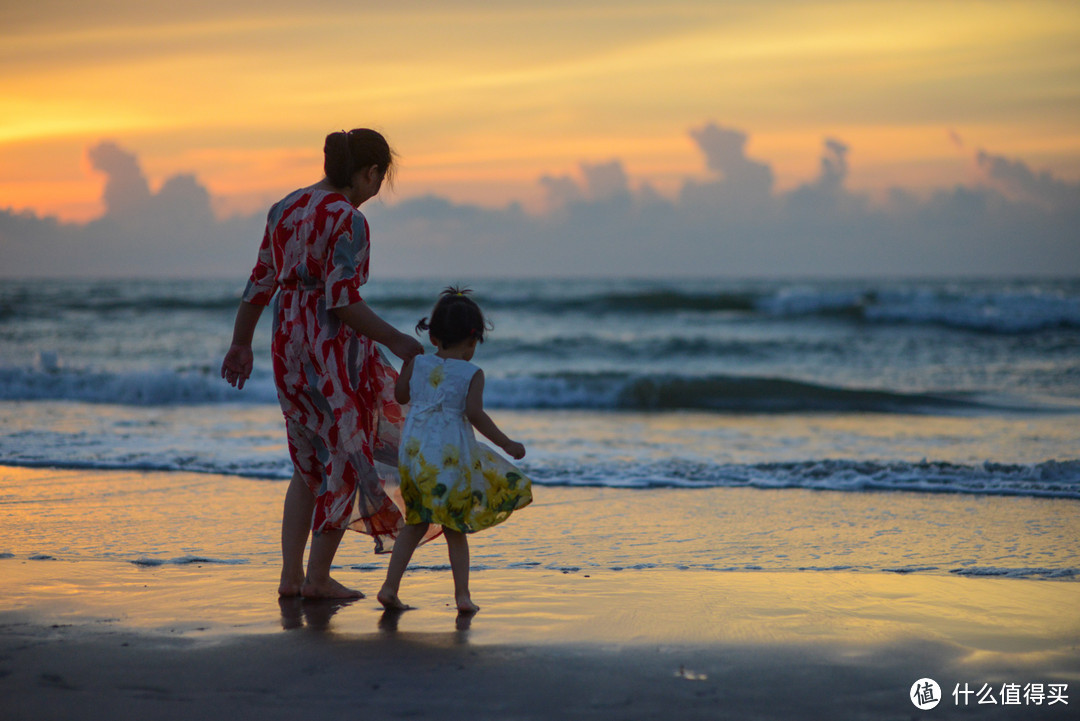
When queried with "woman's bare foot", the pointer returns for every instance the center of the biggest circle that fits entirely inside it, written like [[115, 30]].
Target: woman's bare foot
[[289, 588], [465, 605], [390, 601], [329, 589]]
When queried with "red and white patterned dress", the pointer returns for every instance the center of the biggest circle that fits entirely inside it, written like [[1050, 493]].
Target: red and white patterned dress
[[335, 386]]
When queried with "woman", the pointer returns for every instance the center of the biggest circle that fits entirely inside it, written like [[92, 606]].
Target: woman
[[335, 387]]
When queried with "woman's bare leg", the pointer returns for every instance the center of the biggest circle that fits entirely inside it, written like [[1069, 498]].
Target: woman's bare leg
[[295, 529], [457, 545], [404, 545]]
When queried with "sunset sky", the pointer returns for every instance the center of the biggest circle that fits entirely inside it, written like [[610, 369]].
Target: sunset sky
[[780, 127], [481, 99]]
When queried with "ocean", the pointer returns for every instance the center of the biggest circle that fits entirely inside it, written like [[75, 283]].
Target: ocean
[[962, 387]]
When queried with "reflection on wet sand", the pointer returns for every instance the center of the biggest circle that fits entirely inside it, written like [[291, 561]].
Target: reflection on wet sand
[[985, 616], [315, 614], [391, 617]]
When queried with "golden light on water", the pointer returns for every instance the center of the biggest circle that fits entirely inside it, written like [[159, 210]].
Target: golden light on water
[[93, 525]]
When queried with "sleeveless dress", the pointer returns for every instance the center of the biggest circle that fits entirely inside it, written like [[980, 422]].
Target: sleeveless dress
[[447, 477]]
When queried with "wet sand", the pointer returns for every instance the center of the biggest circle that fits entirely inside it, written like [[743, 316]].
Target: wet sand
[[105, 641], [571, 624]]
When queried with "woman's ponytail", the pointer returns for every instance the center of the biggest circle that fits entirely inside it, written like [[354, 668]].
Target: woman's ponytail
[[346, 152], [338, 159]]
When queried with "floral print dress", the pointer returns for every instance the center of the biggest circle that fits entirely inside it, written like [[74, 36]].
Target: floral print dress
[[447, 477], [335, 387]]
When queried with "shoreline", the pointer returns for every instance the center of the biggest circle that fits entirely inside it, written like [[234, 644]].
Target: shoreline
[[169, 519], [595, 604], [202, 642], [546, 607]]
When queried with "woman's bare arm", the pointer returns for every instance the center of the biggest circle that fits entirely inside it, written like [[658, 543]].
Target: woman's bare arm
[[365, 321], [239, 360]]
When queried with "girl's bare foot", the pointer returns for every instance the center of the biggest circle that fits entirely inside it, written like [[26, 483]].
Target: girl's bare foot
[[465, 605], [329, 589], [390, 601]]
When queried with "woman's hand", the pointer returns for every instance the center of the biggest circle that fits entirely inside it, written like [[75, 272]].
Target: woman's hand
[[405, 347], [239, 360], [237, 365]]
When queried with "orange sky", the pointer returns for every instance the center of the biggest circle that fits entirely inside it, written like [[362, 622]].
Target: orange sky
[[482, 99]]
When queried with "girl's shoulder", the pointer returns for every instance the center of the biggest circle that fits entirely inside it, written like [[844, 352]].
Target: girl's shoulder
[[464, 366], [464, 372], [471, 370], [450, 367], [421, 361]]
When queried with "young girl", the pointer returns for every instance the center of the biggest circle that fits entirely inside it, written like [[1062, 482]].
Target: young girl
[[447, 478]]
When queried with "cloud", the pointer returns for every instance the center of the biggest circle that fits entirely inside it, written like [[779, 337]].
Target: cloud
[[606, 180], [737, 224], [171, 232], [725, 155], [180, 202], [601, 182], [126, 188], [601, 222], [1019, 181], [561, 191], [834, 166]]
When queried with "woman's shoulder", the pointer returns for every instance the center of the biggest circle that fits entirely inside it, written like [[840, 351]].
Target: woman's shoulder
[[335, 199], [315, 197], [288, 204]]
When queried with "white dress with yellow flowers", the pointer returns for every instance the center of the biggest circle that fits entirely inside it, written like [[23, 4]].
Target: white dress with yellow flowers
[[447, 477]]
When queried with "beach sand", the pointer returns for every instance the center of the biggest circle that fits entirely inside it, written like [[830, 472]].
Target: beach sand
[[103, 638]]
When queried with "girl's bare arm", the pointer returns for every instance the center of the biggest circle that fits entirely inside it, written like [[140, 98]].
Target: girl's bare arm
[[481, 421], [401, 388]]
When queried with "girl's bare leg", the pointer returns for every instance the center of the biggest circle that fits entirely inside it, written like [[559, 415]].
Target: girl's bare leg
[[457, 544], [404, 545], [295, 528]]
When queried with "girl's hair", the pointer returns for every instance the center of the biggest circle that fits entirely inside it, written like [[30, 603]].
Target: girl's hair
[[347, 152], [455, 318]]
